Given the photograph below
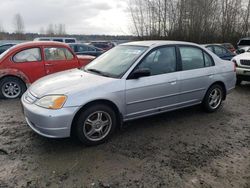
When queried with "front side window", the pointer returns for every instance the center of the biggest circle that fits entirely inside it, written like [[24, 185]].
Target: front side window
[[116, 62], [28, 55], [54, 54], [160, 61]]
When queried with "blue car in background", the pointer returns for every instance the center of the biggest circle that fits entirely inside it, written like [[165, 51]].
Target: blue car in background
[[220, 51], [5, 47]]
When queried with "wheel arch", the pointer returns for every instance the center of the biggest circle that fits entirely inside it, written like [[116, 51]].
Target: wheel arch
[[223, 87], [99, 101]]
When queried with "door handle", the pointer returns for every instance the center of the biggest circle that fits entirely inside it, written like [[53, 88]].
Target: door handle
[[173, 82], [211, 76], [48, 64]]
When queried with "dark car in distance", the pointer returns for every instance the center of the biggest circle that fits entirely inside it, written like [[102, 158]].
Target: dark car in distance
[[83, 49], [229, 46], [220, 51], [105, 45], [5, 47]]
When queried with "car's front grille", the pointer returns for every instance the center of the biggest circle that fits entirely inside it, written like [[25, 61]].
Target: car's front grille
[[29, 98], [245, 62]]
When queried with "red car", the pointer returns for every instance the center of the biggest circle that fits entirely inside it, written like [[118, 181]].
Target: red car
[[24, 63]]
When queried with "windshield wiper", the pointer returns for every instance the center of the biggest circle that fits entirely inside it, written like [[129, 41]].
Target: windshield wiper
[[98, 72]]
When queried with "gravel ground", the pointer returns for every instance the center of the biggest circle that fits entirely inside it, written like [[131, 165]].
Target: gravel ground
[[185, 148]]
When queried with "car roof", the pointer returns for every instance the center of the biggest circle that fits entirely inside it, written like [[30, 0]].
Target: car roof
[[152, 43], [246, 38], [40, 43], [6, 44]]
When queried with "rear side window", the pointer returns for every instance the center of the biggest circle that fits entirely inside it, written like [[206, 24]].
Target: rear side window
[[58, 40], [194, 58], [68, 54], [28, 55], [54, 54], [57, 54]]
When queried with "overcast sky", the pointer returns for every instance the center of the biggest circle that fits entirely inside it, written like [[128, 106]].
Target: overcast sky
[[79, 16]]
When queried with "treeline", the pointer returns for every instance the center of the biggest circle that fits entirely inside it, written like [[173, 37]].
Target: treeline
[[201, 21], [87, 38]]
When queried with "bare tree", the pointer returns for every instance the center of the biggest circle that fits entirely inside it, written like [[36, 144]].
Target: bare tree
[[18, 24], [199, 21], [50, 30]]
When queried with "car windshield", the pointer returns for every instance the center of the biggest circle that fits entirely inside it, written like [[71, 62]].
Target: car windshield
[[116, 62], [244, 43]]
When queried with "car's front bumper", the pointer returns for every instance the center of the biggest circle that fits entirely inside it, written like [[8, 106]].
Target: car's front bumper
[[243, 73], [49, 123]]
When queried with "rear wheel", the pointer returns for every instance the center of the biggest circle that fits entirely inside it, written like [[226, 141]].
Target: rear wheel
[[11, 88], [96, 124], [213, 98]]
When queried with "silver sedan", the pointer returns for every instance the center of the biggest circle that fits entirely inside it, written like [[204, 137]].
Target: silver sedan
[[131, 81]]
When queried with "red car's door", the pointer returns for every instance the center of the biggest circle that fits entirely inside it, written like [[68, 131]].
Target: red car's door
[[29, 61], [58, 59]]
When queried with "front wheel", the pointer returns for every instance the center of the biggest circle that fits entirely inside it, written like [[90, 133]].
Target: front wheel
[[11, 88], [213, 98], [96, 124]]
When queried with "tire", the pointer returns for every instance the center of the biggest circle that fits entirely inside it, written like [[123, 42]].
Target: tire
[[15, 85], [212, 101], [238, 81], [95, 125]]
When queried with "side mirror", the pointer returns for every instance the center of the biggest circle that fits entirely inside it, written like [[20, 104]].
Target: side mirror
[[140, 73], [240, 51]]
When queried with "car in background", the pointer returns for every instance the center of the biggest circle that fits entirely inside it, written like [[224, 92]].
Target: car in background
[[244, 42], [220, 51], [242, 62], [105, 45], [229, 46], [83, 49], [242, 50], [25, 63], [5, 47], [128, 82], [57, 39]]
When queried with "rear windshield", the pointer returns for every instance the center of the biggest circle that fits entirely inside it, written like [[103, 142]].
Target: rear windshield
[[244, 43]]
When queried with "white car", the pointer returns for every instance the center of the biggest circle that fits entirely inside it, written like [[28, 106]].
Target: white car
[[242, 62]]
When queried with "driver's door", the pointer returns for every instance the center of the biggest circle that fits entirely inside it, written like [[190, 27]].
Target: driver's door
[[155, 93]]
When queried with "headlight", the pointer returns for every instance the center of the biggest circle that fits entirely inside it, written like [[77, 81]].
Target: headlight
[[53, 102]]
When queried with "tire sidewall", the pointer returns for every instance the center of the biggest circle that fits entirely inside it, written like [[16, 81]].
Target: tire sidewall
[[206, 105], [82, 117], [12, 79]]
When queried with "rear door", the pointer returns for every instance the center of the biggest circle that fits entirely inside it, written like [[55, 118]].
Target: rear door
[[196, 76], [30, 62], [59, 59]]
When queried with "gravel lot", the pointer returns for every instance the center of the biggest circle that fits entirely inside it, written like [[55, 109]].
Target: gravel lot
[[185, 148]]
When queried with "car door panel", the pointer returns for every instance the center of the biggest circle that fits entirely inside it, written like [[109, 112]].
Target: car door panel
[[149, 95], [60, 62], [155, 93], [194, 82]]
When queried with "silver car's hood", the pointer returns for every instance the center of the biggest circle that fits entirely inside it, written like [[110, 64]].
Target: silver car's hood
[[67, 82]]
